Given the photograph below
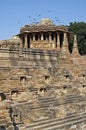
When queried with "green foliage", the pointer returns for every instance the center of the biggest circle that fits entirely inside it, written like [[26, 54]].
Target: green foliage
[[79, 28]]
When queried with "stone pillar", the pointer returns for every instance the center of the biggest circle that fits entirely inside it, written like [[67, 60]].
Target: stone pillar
[[65, 42], [65, 39], [21, 43], [41, 36], [58, 40], [33, 37], [75, 41], [54, 41], [26, 42], [50, 40]]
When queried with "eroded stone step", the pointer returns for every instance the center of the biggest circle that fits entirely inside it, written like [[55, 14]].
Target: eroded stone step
[[53, 122], [73, 122]]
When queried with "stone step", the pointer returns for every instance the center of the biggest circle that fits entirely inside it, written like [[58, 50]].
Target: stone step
[[47, 101], [54, 119], [46, 98], [75, 97], [42, 121], [53, 104], [2, 121], [73, 122], [3, 124], [56, 123], [43, 105]]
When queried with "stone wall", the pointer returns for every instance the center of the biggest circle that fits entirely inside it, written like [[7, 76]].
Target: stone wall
[[40, 86]]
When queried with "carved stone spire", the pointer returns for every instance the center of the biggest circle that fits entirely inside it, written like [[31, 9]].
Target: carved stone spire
[[65, 49], [75, 47]]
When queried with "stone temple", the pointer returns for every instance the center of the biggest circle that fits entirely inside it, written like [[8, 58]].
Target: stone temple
[[42, 84]]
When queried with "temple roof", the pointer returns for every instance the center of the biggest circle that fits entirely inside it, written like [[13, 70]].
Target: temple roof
[[45, 21], [44, 25]]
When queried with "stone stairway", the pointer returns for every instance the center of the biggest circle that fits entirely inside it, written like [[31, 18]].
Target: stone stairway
[[41, 114], [54, 124]]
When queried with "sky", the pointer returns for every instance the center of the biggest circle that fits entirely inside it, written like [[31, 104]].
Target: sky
[[17, 13]]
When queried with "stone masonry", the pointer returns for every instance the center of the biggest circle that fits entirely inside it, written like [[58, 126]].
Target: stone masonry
[[42, 84]]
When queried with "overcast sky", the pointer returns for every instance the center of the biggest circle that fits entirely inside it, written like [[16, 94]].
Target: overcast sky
[[17, 13]]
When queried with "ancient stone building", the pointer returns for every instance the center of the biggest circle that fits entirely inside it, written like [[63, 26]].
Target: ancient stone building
[[44, 35], [42, 84]]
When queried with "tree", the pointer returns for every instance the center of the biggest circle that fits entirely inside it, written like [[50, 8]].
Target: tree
[[79, 28]]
